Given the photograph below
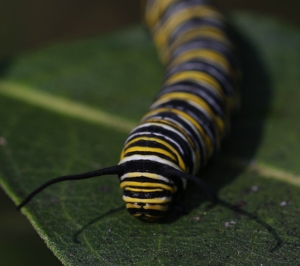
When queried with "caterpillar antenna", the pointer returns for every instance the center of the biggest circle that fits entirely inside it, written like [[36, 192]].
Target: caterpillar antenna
[[196, 180], [116, 169]]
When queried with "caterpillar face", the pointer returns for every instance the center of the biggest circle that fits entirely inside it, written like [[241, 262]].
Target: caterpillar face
[[149, 212], [147, 195]]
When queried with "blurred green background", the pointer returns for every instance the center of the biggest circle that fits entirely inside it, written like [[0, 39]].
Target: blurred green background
[[28, 25]]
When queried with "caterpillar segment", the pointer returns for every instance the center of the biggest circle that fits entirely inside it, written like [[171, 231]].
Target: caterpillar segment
[[190, 115]]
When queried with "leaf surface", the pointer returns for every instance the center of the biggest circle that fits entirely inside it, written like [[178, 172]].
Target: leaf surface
[[68, 109]]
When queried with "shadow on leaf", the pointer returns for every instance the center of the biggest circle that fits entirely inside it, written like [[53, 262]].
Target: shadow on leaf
[[92, 222], [247, 127], [244, 138]]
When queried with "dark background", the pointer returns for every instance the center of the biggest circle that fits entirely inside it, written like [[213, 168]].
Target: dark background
[[27, 25]]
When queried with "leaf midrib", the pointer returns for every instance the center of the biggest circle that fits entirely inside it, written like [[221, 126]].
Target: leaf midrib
[[83, 112], [64, 106]]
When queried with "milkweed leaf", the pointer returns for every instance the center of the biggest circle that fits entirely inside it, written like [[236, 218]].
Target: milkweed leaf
[[48, 102]]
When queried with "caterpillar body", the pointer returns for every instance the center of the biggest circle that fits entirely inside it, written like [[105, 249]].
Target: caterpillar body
[[190, 116]]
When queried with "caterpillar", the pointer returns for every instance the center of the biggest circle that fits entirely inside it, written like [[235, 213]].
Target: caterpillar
[[190, 115]]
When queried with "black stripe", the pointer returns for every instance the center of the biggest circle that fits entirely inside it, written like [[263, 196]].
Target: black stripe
[[198, 89], [177, 7], [185, 126], [145, 179], [146, 195], [160, 155], [196, 23], [157, 213], [151, 167], [206, 67], [183, 143], [206, 43], [151, 144], [201, 92], [207, 124]]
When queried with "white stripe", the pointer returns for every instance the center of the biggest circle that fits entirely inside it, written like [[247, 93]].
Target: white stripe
[[161, 178], [198, 134], [162, 200], [197, 106], [149, 134], [167, 127], [151, 158]]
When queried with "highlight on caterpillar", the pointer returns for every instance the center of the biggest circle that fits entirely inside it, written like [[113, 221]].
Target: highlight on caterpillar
[[190, 116]]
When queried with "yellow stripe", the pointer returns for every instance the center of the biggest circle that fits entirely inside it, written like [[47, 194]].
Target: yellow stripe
[[137, 214], [199, 101], [206, 31], [133, 206], [190, 141], [193, 33], [172, 125], [154, 200], [146, 184], [199, 127], [145, 174], [143, 190], [198, 76], [138, 149], [154, 12], [159, 207], [205, 54], [151, 218], [162, 35], [206, 139], [180, 160], [151, 157]]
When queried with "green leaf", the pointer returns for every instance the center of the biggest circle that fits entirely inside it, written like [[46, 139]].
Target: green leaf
[[68, 109]]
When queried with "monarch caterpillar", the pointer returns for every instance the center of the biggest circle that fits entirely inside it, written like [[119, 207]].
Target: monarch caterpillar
[[190, 115]]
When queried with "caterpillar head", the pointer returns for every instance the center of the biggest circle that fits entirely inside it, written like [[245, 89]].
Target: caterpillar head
[[149, 188], [147, 204], [148, 194]]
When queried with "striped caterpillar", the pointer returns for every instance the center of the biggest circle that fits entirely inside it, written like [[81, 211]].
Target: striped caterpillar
[[190, 116]]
